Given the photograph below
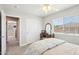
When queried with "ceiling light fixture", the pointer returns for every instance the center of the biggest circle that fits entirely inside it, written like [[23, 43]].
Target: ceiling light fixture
[[46, 8]]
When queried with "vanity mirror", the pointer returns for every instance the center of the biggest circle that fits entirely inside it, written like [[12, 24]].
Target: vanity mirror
[[48, 28], [47, 33]]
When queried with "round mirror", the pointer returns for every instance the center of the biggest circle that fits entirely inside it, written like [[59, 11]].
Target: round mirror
[[48, 28]]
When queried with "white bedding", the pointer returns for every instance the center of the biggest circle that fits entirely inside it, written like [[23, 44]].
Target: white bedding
[[39, 47], [64, 49], [52, 46]]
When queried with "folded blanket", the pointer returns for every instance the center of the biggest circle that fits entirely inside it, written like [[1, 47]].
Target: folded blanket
[[39, 47]]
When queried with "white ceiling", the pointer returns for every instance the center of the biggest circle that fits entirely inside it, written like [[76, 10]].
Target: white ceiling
[[35, 9]]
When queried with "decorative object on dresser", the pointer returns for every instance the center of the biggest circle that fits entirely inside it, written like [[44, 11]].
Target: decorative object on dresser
[[47, 33]]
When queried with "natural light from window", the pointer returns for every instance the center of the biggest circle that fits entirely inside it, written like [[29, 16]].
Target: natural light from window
[[69, 24]]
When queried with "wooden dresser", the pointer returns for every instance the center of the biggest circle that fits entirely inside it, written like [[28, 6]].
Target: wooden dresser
[[43, 34]]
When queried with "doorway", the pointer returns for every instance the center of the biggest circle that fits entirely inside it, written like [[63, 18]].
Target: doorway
[[12, 31]]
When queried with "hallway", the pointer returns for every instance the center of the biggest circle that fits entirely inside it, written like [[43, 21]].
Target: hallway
[[12, 41]]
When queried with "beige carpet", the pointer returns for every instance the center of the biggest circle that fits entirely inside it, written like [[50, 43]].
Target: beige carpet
[[15, 50]]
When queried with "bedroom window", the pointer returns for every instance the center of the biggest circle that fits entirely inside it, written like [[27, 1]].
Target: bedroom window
[[69, 24], [58, 25]]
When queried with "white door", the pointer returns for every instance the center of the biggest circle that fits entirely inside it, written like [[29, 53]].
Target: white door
[[3, 30]]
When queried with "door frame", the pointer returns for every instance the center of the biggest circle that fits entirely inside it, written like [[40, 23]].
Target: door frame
[[0, 34], [18, 24]]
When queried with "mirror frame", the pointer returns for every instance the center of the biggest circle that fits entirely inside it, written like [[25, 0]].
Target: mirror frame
[[50, 27]]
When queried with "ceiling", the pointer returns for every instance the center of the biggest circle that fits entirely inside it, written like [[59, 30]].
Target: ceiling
[[35, 9]]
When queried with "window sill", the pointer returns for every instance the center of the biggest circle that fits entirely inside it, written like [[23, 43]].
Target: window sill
[[67, 34]]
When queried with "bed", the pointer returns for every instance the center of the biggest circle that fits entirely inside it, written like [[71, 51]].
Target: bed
[[52, 46]]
